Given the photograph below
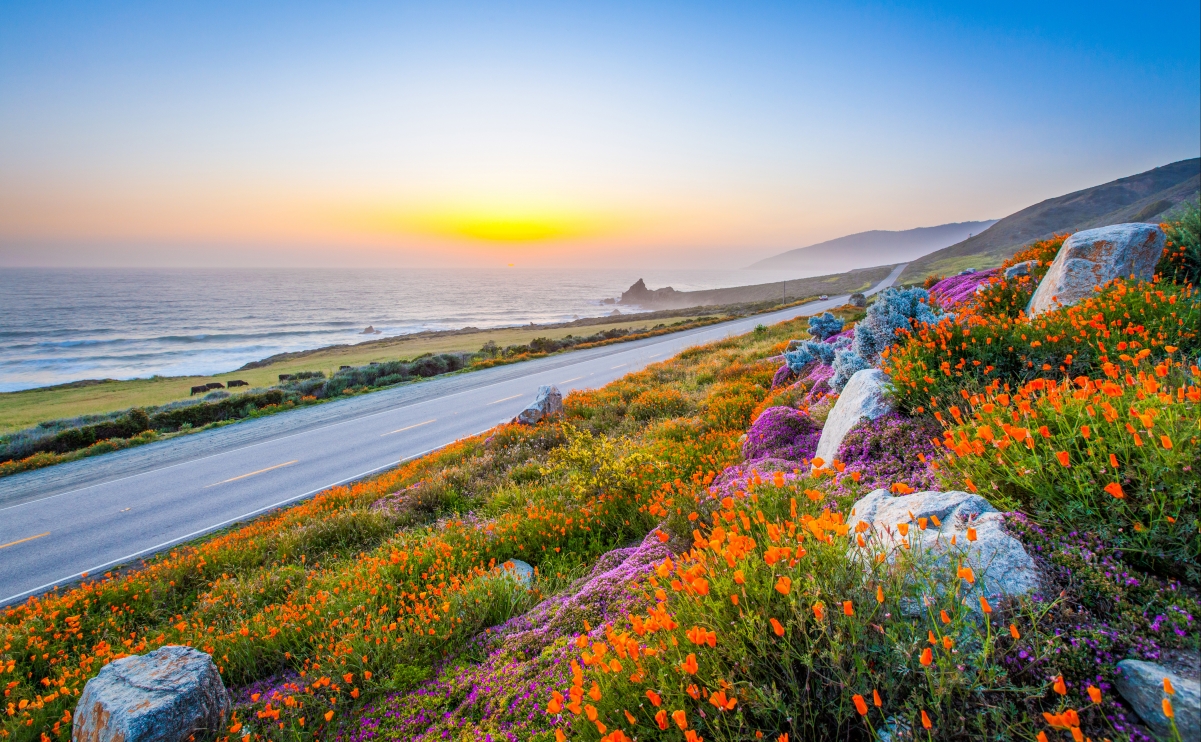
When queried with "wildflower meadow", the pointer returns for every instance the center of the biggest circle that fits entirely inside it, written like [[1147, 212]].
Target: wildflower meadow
[[697, 574]]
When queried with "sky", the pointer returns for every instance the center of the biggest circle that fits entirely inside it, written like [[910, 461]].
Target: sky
[[652, 134]]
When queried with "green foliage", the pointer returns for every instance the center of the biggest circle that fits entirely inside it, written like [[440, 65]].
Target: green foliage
[[1182, 258], [770, 625], [931, 367], [1112, 456]]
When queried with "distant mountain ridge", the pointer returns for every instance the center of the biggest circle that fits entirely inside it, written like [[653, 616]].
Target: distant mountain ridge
[[1152, 196], [872, 248]]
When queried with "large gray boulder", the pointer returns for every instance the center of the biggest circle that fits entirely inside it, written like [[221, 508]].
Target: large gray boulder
[[548, 401], [1141, 684], [1001, 566], [167, 695], [1095, 257], [863, 398]]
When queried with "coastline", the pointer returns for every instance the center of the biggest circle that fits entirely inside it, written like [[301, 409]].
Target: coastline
[[23, 409]]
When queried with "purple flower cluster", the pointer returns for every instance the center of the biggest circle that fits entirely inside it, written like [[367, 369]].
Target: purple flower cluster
[[738, 478], [886, 450], [782, 433], [955, 290], [497, 689], [1099, 613], [782, 377]]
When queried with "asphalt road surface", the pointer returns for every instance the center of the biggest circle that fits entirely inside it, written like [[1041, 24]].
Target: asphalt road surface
[[93, 514]]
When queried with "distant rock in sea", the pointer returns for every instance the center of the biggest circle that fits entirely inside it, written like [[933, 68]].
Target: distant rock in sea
[[640, 294], [371, 331]]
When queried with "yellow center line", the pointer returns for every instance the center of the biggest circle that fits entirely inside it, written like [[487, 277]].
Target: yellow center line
[[506, 399], [401, 430], [619, 365], [251, 474], [571, 380], [23, 540]]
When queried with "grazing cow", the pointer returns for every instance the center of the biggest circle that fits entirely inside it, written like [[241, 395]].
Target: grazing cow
[[215, 385], [236, 382], [199, 389]]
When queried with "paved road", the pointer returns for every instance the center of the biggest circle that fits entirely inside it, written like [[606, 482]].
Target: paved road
[[92, 514]]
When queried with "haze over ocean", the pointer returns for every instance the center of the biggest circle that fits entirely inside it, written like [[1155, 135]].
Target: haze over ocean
[[62, 325]]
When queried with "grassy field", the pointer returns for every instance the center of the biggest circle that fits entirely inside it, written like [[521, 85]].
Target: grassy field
[[20, 410]]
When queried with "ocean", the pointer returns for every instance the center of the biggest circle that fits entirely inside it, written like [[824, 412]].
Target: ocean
[[63, 325]]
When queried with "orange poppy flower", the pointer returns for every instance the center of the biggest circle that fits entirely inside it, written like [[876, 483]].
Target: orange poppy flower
[[784, 585], [661, 719], [1115, 489], [860, 704], [927, 657], [689, 665], [777, 627], [1062, 456], [819, 610], [680, 718], [926, 720]]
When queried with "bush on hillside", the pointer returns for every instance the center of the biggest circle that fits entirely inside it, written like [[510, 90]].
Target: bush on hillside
[[824, 325], [895, 310], [1182, 256], [933, 365], [782, 433], [1112, 455]]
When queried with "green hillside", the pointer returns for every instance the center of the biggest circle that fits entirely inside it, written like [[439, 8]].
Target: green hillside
[[1151, 196]]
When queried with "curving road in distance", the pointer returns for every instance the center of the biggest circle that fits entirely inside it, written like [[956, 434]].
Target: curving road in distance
[[93, 514]]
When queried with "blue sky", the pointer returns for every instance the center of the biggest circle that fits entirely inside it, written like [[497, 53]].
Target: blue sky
[[649, 132]]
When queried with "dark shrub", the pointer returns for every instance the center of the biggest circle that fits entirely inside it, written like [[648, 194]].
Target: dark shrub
[[430, 366]]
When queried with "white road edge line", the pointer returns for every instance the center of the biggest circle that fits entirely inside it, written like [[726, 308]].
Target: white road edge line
[[222, 524]]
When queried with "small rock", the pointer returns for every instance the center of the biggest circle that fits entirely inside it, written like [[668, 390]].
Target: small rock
[[1095, 257], [370, 331], [862, 398], [167, 695], [521, 571], [1020, 269], [1141, 684], [548, 401], [1000, 562]]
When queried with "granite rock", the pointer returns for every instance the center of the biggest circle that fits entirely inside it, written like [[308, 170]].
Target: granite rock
[[1095, 257], [167, 695]]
